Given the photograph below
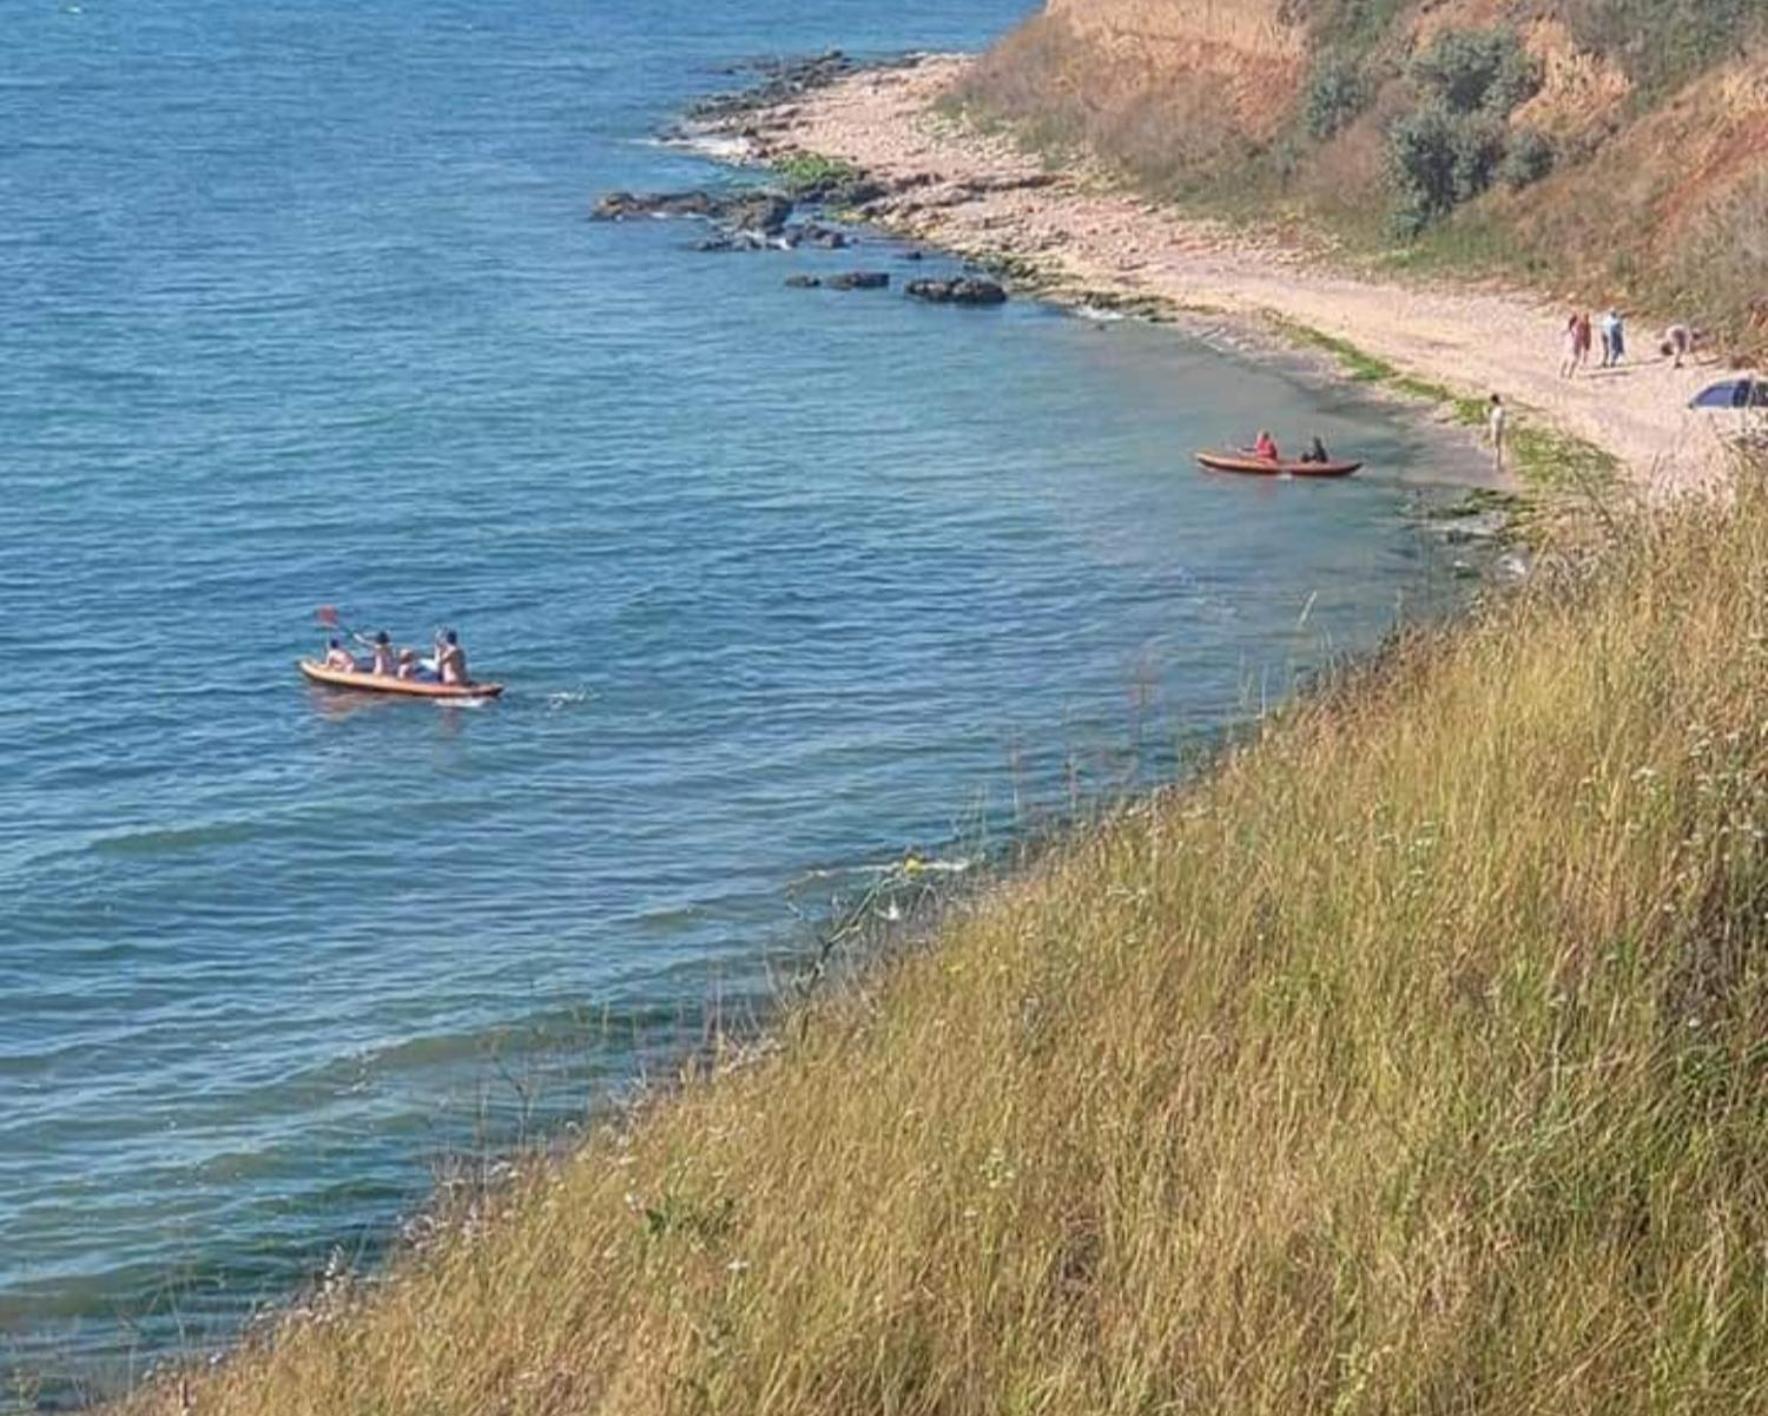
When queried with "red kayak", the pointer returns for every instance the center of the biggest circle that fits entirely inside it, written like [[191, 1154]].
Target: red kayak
[[317, 672], [1253, 466]]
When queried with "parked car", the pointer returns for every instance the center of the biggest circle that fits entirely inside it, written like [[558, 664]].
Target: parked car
[[1739, 407]]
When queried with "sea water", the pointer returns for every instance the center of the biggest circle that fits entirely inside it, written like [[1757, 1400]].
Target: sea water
[[300, 307]]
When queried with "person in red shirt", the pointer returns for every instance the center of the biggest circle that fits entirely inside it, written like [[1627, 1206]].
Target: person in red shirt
[[1266, 447]]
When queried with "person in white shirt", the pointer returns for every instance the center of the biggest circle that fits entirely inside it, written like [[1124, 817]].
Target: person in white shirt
[[1497, 420]]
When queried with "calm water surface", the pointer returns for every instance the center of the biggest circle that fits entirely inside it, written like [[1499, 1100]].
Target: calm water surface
[[300, 307]]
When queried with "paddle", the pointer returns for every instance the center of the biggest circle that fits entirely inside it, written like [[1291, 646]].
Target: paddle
[[326, 616]]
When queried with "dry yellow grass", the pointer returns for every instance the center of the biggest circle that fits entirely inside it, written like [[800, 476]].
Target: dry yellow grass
[[1416, 1060]]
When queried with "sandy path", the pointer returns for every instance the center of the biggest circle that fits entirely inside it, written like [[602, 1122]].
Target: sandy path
[[1475, 341]]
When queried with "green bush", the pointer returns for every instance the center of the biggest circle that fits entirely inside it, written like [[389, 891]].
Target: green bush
[[1335, 95], [1529, 158], [1421, 159], [1478, 71]]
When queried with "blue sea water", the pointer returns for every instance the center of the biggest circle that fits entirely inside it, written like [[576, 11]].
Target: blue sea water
[[301, 307]]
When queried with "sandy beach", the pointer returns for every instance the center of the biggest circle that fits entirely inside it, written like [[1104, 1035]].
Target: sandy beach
[[982, 196]]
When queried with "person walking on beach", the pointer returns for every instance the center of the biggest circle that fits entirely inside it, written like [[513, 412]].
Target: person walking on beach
[[1569, 365], [1614, 339], [1497, 422]]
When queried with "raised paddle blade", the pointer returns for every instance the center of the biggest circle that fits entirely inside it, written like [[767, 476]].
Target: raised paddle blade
[[327, 615]]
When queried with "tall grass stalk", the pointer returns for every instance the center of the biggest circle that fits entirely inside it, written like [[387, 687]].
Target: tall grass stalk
[[1414, 1059]]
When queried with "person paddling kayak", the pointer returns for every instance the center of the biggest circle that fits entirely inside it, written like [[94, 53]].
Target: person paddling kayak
[[1266, 447], [381, 647], [339, 658], [451, 659]]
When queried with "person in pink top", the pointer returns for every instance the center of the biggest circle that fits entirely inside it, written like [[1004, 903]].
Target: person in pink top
[[1266, 447]]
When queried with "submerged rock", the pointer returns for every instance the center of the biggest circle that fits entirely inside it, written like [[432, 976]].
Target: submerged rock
[[803, 282], [965, 290], [859, 280]]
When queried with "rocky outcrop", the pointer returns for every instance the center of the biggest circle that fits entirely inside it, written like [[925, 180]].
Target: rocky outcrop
[[964, 290], [744, 210], [772, 82], [847, 280]]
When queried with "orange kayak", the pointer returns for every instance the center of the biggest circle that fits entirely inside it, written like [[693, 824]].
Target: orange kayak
[[1265, 467], [317, 672]]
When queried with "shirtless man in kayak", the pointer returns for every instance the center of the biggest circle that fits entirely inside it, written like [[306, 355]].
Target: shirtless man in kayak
[[451, 659], [340, 659], [381, 646]]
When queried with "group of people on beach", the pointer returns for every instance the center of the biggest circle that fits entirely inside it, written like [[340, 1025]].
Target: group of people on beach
[[447, 662], [1582, 333]]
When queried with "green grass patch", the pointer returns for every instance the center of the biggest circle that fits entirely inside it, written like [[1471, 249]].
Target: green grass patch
[[809, 169], [1359, 366], [1552, 461]]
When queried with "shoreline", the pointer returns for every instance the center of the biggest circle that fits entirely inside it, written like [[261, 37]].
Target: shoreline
[[1076, 240]]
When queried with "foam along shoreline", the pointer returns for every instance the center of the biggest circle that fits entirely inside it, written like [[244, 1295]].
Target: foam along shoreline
[[1082, 241]]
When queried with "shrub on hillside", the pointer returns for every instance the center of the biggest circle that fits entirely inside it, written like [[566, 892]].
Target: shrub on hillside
[[1421, 159], [1529, 158], [1454, 146], [1335, 95], [1478, 71]]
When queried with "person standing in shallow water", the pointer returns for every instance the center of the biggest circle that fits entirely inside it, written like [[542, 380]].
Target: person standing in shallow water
[[1497, 425]]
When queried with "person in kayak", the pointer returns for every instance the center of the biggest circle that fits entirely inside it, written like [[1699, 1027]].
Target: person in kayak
[[1266, 447], [451, 659], [1316, 451], [408, 664], [381, 646], [339, 658]]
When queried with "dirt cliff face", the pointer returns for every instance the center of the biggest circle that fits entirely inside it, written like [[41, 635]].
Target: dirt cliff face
[[1652, 115], [1247, 55]]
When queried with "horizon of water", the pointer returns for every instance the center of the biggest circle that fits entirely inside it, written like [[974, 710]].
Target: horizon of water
[[784, 584]]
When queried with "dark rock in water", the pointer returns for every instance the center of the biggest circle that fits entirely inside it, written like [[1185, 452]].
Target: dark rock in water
[[803, 282], [825, 236], [757, 211], [965, 290], [776, 82], [716, 243], [859, 280], [619, 206], [911, 256], [749, 209]]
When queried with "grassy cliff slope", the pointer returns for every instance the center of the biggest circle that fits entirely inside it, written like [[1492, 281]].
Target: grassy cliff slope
[[1614, 149], [1414, 1060]]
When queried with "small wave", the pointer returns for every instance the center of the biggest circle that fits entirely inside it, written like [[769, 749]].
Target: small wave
[[571, 698], [909, 865], [720, 147], [165, 840]]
